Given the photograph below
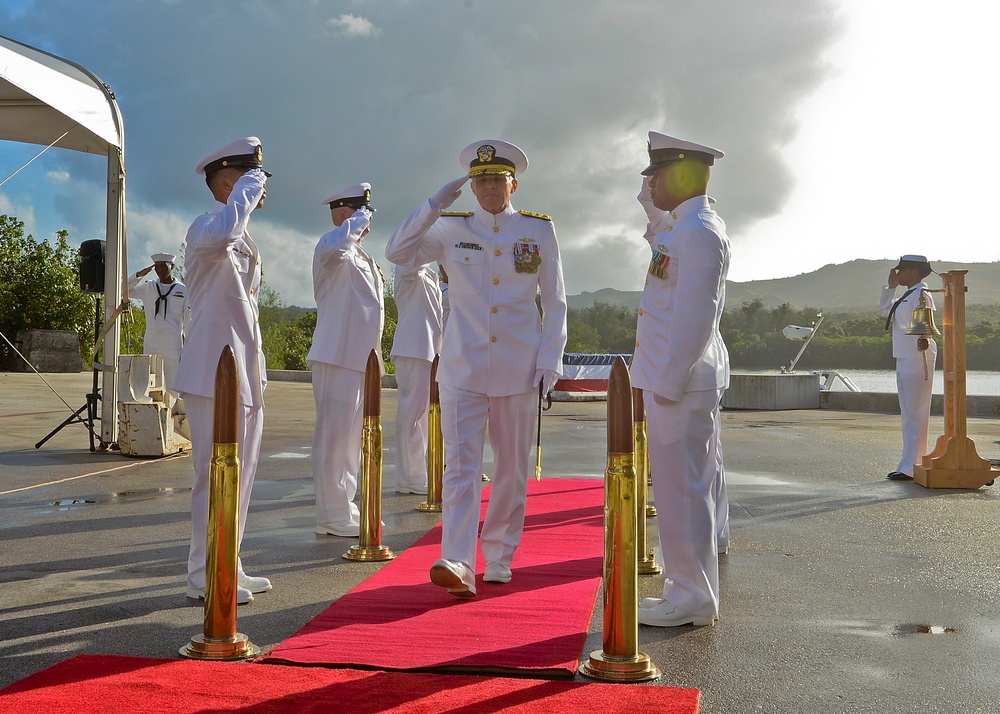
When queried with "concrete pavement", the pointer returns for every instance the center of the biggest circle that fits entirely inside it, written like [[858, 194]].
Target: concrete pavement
[[843, 592]]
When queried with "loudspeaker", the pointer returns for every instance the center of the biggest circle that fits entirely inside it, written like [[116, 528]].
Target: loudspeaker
[[92, 266]]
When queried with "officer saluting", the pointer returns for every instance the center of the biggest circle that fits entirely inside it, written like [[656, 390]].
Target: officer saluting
[[495, 353], [682, 366], [224, 274], [347, 284]]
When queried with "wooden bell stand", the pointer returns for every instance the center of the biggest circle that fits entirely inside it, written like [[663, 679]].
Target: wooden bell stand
[[954, 462]]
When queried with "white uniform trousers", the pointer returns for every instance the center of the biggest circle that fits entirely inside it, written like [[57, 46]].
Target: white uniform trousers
[[683, 457], [721, 495], [336, 447], [413, 380], [464, 418], [914, 408], [201, 417]]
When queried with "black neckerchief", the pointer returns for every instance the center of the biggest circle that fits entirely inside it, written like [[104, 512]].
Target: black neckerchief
[[888, 320], [163, 298]]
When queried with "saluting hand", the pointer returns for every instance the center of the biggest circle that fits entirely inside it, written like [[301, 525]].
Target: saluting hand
[[448, 194], [893, 280]]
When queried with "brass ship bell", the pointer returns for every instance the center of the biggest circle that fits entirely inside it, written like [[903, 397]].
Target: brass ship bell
[[922, 322], [922, 325]]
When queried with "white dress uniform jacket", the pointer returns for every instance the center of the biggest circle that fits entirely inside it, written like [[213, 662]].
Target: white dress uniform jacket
[[912, 384], [223, 272], [419, 320], [678, 344], [347, 284], [165, 308], [496, 339]]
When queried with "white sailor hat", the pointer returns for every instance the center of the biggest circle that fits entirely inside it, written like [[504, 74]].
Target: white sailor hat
[[663, 149], [915, 261], [246, 154], [492, 156], [164, 258], [356, 196]]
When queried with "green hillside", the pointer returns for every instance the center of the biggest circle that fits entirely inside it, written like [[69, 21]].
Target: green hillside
[[847, 287]]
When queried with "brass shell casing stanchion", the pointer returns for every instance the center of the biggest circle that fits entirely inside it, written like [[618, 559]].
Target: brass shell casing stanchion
[[369, 545], [435, 447], [620, 660], [219, 639], [645, 559]]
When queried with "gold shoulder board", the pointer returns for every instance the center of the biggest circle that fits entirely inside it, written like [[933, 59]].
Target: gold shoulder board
[[463, 214], [529, 214]]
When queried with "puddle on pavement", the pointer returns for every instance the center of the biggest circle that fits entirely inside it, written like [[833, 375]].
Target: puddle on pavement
[[914, 629], [120, 496]]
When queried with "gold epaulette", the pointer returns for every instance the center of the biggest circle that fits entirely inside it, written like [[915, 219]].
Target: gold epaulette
[[529, 214], [461, 214]]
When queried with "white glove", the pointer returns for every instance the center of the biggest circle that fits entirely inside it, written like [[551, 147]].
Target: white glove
[[547, 377], [653, 214], [448, 194], [363, 212]]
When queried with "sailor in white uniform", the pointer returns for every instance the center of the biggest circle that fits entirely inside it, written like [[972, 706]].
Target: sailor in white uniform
[[496, 351], [347, 284], [414, 345], [682, 366], [224, 274], [915, 358], [164, 305]]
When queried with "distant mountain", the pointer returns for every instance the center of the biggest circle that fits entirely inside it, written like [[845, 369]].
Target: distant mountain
[[847, 287]]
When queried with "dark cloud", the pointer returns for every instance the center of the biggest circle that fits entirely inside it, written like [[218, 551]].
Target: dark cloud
[[390, 91]]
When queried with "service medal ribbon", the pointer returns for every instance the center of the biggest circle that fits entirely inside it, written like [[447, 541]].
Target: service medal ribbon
[[658, 264]]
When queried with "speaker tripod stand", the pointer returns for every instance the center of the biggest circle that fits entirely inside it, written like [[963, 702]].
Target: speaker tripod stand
[[90, 407]]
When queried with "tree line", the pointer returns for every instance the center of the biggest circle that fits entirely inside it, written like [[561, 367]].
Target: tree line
[[39, 288]]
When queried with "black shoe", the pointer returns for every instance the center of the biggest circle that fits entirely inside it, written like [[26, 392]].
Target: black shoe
[[898, 476]]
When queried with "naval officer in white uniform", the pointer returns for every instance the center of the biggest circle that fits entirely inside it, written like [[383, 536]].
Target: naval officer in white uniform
[[682, 366], [915, 358], [164, 302], [414, 345], [496, 351], [347, 284], [224, 275]]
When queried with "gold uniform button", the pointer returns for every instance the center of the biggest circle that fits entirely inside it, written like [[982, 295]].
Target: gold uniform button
[[640, 312], [496, 229], [669, 228], [493, 339], [251, 291], [637, 343], [647, 281], [674, 215], [466, 259], [494, 311], [496, 281], [498, 252]]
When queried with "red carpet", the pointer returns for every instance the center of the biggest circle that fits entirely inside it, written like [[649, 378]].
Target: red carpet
[[113, 685], [536, 624]]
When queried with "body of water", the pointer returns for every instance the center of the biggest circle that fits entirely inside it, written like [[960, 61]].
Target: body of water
[[977, 382]]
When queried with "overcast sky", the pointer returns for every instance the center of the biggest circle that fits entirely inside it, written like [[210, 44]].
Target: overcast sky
[[852, 128]]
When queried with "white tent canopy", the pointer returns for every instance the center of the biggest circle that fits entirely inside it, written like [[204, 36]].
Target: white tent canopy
[[43, 97]]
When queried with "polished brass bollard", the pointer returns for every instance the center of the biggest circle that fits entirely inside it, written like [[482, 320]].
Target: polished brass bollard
[[219, 639], [369, 545], [620, 660], [435, 447], [646, 561]]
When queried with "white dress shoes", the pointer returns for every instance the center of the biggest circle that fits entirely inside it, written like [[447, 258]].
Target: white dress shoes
[[666, 614], [458, 577], [496, 573], [243, 596], [254, 585], [350, 529], [419, 489]]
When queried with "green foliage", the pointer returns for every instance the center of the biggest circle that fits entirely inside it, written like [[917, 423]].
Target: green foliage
[[39, 288], [601, 328]]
